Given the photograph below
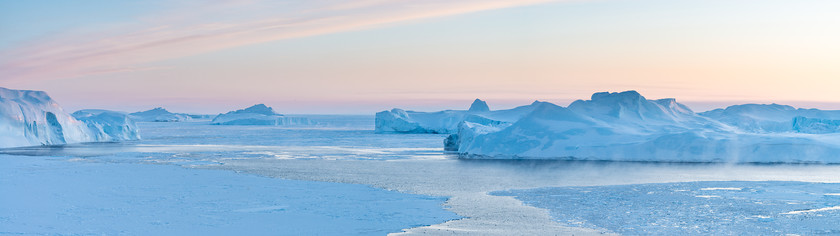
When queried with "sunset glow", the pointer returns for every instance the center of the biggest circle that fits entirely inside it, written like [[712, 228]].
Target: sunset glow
[[366, 56]]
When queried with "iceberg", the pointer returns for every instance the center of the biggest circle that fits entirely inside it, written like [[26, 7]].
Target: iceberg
[[159, 115], [772, 118], [108, 125], [259, 114], [31, 118], [445, 122], [628, 127]]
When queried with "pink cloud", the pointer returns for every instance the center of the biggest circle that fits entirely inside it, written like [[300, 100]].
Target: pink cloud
[[201, 28]]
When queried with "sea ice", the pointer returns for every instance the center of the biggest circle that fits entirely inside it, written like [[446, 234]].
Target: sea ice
[[694, 208]]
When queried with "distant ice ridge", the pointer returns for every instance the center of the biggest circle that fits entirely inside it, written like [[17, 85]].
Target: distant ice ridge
[[159, 115], [259, 114], [446, 122], [201, 116], [31, 118], [628, 127], [773, 118]]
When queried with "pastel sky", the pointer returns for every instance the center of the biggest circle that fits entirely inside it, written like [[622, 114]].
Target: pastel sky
[[330, 56]]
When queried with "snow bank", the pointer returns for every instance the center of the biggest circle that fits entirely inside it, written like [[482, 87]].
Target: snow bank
[[108, 125], [444, 122], [159, 115], [628, 127], [31, 118], [259, 114]]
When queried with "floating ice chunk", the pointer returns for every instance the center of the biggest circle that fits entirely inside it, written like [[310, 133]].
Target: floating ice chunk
[[108, 125], [812, 210]]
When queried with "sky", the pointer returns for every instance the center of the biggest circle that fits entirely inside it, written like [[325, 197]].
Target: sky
[[359, 57]]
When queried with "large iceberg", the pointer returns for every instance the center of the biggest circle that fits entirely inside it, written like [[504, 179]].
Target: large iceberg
[[108, 125], [628, 127], [259, 114], [446, 122], [30, 118], [159, 115]]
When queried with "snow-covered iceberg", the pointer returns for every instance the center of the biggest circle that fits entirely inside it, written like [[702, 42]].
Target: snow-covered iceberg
[[772, 118], [445, 122], [31, 118], [159, 115], [259, 114], [628, 127], [108, 125]]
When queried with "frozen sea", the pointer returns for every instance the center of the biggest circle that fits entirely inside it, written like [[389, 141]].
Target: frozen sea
[[340, 178]]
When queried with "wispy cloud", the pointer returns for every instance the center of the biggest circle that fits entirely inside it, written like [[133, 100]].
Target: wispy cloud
[[200, 27]]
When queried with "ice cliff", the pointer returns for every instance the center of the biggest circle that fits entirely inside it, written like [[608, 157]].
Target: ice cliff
[[31, 118], [803, 124], [259, 114]]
